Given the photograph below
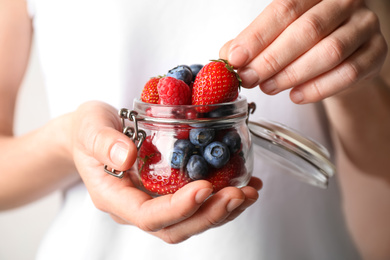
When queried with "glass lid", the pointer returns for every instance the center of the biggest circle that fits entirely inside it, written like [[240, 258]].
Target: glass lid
[[305, 158]]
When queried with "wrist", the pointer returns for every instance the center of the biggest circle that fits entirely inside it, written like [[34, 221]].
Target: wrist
[[59, 130]]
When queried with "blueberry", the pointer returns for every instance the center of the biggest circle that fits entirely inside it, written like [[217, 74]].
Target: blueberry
[[233, 140], [202, 136], [182, 151], [195, 68], [216, 154], [182, 72], [197, 167], [222, 111]]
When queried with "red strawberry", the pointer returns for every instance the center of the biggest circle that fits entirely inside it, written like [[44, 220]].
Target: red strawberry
[[221, 178], [149, 93], [182, 131], [173, 91], [215, 83], [148, 153], [163, 181]]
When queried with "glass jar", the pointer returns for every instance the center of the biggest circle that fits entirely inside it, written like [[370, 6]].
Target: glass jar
[[180, 144]]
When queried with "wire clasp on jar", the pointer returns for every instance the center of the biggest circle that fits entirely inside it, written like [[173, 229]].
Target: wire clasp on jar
[[251, 110], [134, 133]]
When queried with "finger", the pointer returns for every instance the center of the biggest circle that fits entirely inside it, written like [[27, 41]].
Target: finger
[[296, 39], [112, 148], [152, 214], [118, 219], [326, 55], [363, 64], [252, 195], [213, 212], [223, 52], [264, 30], [256, 183], [99, 134]]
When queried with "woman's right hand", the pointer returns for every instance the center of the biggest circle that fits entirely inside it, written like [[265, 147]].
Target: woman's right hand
[[97, 140]]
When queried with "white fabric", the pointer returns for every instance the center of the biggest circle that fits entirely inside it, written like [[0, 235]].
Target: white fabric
[[106, 50]]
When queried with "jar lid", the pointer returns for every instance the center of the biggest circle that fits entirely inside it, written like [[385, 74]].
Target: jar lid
[[305, 158]]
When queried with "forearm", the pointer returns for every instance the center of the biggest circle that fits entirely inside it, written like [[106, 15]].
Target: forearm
[[360, 120], [361, 126], [35, 164]]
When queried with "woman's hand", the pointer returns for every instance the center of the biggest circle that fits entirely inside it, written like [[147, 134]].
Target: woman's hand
[[315, 48], [98, 141]]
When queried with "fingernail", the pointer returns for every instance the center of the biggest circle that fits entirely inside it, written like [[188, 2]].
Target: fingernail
[[268, 87], [249, 78], [118, 153], [296, 96], [238, 56], [202, 195], [233, 204]]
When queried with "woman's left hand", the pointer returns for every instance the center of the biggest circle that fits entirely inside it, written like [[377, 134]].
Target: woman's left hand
[[315, 48]]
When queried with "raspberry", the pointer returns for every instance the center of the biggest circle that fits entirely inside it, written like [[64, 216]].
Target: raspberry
[[173, 91]]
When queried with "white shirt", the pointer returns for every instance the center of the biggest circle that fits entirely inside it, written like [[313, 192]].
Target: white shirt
[[106, 50]]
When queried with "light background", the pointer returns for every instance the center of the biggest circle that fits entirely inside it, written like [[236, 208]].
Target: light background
[[22, 229]]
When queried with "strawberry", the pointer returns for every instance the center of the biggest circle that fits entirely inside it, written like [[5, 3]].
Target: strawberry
[[215, 83], [149, 93], [163, 181], [173, 91], [223, 177], [148, 153]]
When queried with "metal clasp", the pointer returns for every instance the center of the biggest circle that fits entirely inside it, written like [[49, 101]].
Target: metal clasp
[[134, 133], [251, 110]]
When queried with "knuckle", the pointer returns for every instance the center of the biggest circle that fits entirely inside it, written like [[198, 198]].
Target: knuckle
[[291, 76], [372, 19], [317, 91], [313, 27], [147, 227], [334, 51], [170, 238], [286, 10], [118, 220], [259, 38], [212, 221], [270, 63], [350, 73], [94, 141]]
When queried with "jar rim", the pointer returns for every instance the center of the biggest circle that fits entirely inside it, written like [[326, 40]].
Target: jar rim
[[179, 114]]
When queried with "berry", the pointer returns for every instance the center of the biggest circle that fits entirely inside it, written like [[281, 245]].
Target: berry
[[215, 83], [182, 72], [149, 93], [202, 136], [182, 132], [163, 181], [182, 151], [195, 68], [148, 153], [216, 154], [224, 177], [222, 111], [173, 91], [197, 167], [233, 140]]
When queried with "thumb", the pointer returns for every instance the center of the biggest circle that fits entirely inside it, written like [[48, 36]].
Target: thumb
[[114, 149], [224, 51]]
